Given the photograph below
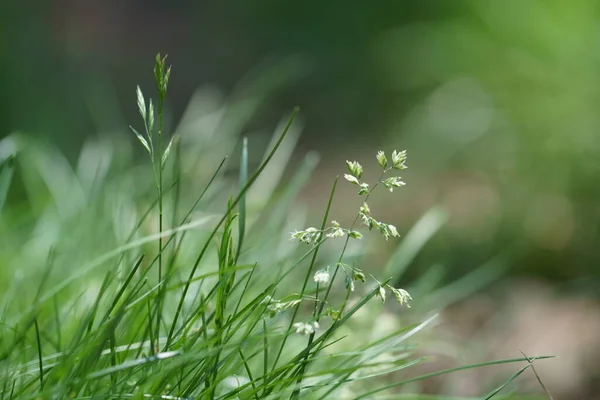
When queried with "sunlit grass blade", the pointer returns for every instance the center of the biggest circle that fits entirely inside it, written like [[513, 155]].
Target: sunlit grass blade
[[132, 364]]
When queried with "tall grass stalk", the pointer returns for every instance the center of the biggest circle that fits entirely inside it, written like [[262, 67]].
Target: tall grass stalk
[[226, 307]]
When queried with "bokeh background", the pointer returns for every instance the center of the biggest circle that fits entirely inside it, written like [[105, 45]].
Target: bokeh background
[[497, 103]]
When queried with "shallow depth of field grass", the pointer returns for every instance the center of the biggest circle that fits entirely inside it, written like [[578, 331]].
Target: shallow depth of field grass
[[192, 274]]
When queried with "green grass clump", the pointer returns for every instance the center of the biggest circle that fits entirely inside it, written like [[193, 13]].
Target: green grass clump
[[182, 283]]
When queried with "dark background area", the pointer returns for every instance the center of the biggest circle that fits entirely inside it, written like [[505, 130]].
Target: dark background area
[[58, 53]]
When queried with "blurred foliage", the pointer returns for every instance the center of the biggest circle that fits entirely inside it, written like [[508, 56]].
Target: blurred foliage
[[509, 121], [495, 101]]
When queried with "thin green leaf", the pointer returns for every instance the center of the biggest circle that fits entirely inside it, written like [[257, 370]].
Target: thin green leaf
[[133, 363], [512, 378], [309, 271], [414, 240], [142, 140], [119, 294], [277, 375], [39, 349], [444, 372], [141, 103], [248, 371], [470, 283], [354, 369], [242, 205], [165, 155], [531, 360], [214, 231], [279, 212]]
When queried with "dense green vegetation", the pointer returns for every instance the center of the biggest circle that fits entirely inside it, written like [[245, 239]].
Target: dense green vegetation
[[193, 275]]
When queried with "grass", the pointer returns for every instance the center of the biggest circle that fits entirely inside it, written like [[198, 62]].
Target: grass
[[173, 281]]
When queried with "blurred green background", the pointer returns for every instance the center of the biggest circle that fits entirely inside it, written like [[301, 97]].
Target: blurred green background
[[497, 103]]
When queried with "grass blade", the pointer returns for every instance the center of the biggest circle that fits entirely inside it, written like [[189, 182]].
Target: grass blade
[[444, 372], [309, 272], [132, 363], [414, 240], [512, 378], [214, 232], [242, 205], [39, 347]]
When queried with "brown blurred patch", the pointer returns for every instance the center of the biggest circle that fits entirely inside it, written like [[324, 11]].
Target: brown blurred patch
[[530, 317]]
